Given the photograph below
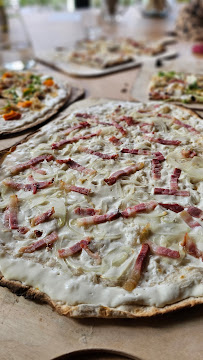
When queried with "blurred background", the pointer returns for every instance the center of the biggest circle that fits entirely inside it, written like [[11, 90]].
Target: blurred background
[[28, 27]]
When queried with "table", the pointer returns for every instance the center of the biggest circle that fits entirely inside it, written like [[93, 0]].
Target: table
[[33, 331]]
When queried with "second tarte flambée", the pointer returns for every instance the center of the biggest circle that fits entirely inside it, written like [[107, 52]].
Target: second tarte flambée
[[174, 86], [105, 52], [101, 211], [27, 99]]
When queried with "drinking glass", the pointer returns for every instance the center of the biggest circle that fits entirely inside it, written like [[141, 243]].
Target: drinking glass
[[15, 47], [113, 10], [155, 7]]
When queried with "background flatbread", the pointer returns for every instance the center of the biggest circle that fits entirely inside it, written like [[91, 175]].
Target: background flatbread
[[74, 94], [43, 118], [139, 90], [73, 69]]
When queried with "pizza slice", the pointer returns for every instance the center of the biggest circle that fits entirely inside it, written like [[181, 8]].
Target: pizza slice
[[27, 99], [186, 88]]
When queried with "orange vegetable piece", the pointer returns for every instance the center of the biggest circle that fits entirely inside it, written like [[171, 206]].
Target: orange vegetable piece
[[7, 75], [25, 104], [48, 82], [12, 115]]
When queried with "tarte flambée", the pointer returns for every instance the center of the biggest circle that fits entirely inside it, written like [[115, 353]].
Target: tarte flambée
[[104, 53], [186, 88], [27, 99], [101, 211]]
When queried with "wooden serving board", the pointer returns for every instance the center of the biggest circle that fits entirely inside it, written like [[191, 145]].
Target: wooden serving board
[[139, 90], [32, 331], [77, 70]]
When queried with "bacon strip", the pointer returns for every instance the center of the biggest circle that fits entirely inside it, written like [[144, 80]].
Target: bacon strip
[[39, 171], [63, 142], [119, 127], [97, 153], [85, 115], [13, 212], [174, 179], [176, 81], [173, 207], [93, 255], [186, 126], [37, 245], [115, 140], [159, 156], [142, 207], [156, 169], [42, 217], [21, 167], [23, 229], [13, 185], [129, 120], [188, 219], [98, 219], [134, 278], [81, 125], [124, 172], [11, 216], [63, 253], [163, 251], [34, 187], [136, 151], [164, 115], [191, 248], [79, 189], [195, 212], [75, 166], [163, 141], [85, 211], [162, 191], [104, 123], [143, 127], [74, 188]]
